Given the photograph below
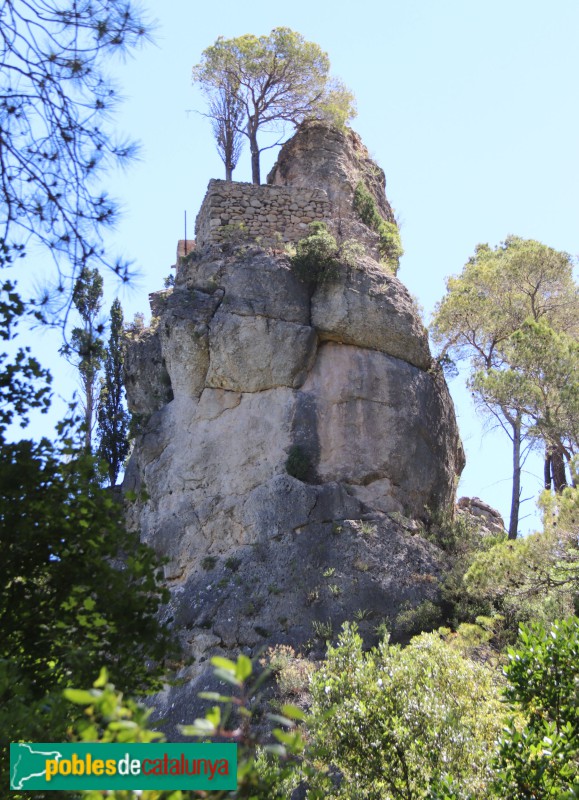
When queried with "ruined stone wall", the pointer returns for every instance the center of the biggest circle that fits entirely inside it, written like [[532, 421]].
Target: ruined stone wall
[[266, 211]]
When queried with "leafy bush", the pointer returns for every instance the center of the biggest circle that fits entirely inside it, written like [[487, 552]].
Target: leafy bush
[[316, 258], [394, 721], [263, 771], [541, 758]]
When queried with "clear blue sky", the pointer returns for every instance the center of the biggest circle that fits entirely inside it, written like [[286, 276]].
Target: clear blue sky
[[470, 107]]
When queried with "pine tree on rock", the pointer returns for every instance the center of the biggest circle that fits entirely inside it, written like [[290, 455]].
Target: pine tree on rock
[[113, 418], [260, 83]]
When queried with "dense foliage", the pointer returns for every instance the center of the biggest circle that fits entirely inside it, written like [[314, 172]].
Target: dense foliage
[[113, 418], [513, 313], [420, 723], [76, 588], [256, 82], [540, 759], [395, 721]]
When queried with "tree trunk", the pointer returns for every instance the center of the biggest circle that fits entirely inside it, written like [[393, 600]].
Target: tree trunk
[[547, 469], [558, 467], [228, 173], [255, 174], [88, 413], [516, 494]]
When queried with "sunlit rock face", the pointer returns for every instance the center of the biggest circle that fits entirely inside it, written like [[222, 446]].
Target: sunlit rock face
[[289, 432]]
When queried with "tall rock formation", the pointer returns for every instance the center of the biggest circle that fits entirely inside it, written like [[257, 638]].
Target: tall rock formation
[[292, 436]]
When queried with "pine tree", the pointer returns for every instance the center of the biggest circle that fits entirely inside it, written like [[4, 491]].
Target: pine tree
[[113, 419]]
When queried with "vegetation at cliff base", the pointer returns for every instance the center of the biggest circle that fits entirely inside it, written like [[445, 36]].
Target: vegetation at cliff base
[[425, 722]]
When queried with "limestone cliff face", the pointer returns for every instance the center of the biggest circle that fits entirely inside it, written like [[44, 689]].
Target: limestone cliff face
[[333, 160], [247, 366]]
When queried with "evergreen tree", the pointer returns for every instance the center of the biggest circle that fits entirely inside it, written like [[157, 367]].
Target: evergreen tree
[[57, 141], [86, 347], [487, 317], [113, 419], [77, 590], [267, 81]]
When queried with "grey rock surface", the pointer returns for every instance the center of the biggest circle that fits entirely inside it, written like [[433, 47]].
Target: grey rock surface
[[485, 517], [293, 438], [371, 308], [280, 353], [147, 381], [326, 158]]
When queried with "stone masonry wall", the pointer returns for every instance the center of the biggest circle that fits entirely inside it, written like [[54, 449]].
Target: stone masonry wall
[[266, 211]]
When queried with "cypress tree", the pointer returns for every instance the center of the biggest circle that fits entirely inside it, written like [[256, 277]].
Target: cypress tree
[[113, 419]]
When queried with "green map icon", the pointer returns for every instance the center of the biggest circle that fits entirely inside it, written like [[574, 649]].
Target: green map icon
[[29, 762]]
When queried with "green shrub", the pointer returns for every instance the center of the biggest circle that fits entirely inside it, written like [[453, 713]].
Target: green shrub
[[395, 721], [541, 758], [351, 251], [298, 463], [365, 207], [461, 540], [389, 244], [426, 616], [316, 258]]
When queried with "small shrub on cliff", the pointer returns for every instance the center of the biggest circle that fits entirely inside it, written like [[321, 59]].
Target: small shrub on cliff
[[316, 258], [232, 236], [389, 245], [351, 251], [292, 672]]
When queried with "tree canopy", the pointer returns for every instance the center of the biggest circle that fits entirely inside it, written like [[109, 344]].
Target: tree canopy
[[268, 81], [55, 134], [513, 313]]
